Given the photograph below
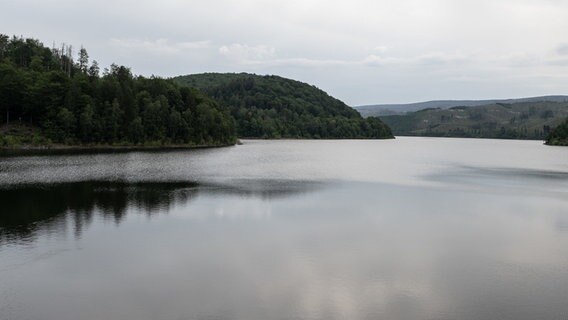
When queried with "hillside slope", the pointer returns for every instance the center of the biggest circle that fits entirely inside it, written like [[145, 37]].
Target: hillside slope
[[513, 121], [276, 107], [398, 109]]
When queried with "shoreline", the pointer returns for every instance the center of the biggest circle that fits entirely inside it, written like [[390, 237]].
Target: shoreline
[[315, 139], [85, 149]]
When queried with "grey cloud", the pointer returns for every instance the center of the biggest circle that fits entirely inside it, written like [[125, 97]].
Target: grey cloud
[[242, 53], [264, 55], [348, 48], [159, 46], [559, 62], [562, 50]]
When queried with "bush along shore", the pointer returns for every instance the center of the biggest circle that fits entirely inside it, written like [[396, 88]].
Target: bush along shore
[[21, 136]]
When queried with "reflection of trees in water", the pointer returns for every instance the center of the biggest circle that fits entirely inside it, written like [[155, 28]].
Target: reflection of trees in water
[[265, 188], [27, 209]]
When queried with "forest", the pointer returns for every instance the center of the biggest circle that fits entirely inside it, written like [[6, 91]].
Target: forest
[[559, 136], [47, 96], [524, 120], [276, 107]]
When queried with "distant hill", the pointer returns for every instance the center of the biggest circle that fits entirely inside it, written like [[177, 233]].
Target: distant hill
[[394, 109], [526, 120], [559, 136], [276, 107]]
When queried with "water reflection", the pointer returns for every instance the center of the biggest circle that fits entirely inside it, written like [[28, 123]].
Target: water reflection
[[47, 208], [516, 173], [540, 182], [27, 209], [346, 251], [417, 229]]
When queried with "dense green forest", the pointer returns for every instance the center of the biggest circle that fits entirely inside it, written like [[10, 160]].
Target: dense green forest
[[275, 107], [527, 120], [559, 135], [48, 97]]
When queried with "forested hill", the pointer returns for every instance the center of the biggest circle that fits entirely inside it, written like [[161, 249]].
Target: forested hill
[[46, 96], [559, 136], [379, 110], [528, 120], [276, 107]]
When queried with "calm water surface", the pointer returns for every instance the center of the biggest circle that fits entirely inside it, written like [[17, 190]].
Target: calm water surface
[[414, 228]]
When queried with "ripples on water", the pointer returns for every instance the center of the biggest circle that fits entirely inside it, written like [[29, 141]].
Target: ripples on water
[[407, 229]]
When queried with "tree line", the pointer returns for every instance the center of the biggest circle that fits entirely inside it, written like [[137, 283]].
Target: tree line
[[73, 102]]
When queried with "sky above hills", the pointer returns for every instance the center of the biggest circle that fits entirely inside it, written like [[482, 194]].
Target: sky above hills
[[361, 51]]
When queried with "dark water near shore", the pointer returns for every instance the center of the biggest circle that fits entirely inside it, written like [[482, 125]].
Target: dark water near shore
[[417, 228]]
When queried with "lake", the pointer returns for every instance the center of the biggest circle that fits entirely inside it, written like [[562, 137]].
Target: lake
[[412, 228]]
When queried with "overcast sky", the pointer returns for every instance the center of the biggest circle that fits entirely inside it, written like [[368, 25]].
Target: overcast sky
[[360, 51]]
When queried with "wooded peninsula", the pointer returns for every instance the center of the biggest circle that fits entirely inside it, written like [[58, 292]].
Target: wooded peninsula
[[48, 98]]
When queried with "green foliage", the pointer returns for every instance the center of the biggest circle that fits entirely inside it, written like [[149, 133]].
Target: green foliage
[[526, 120], [559, 136], [17, 134], [72, 103], [275, 107]]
